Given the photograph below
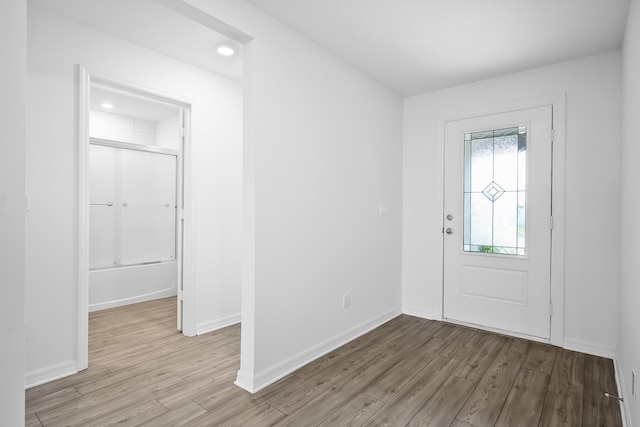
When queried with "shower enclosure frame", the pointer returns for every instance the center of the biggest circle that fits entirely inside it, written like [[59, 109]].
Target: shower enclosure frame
[[186, 299]]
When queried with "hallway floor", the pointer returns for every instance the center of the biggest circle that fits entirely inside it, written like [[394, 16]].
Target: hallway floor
[[409, 371]]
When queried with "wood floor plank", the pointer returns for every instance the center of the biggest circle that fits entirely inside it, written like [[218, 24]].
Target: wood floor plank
[[524, 403], [315, 413], [461, 346], [427, 372], [567, 377], [458, 423], [119, 351], [541, 358], [142, 332], [397, 323], [404, 405], [124, 381], [132, 415], [265, 415], [139, 390], [52, 400], [599, 378], [176, 417], [518, 345], [561, 411], [281, 387], [420, 333], [398, 331], [32, 420], [291, 400], [218, 393], [33, 394], [442, 407], [92, 414], [484, 405], [474, 366], [355, 413], [209, 367], [164, 355], [331, 358], [185, 392], [398, 376], [340, 392], [448, 331], [226, 409]]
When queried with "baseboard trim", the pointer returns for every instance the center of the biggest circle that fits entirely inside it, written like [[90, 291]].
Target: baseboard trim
[[214, 325], [50, 373], [590, 348], [164, 293], [418, 312], [624, 407], [253, 384], [244, 380]]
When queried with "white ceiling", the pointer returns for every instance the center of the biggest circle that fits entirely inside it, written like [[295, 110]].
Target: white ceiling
[[154, 26], [411, 46], [131, 106], [415, 46]]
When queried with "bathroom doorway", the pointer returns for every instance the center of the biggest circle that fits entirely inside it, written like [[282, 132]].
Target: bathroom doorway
[[133, 151]]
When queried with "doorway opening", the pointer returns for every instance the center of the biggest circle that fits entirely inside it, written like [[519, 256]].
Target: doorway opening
[[133, 147]]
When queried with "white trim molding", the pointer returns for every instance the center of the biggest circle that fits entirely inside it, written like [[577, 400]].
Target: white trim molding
[[590, 348], [82, 349], [50, 373], [214, 325], [164, 293], [624, 405], [418, 312], [253, 384]]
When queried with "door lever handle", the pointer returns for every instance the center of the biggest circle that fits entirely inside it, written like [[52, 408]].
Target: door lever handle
[[449, 231]]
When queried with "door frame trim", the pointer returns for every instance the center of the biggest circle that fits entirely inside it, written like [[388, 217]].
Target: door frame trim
[[558, 103], [85, 79]]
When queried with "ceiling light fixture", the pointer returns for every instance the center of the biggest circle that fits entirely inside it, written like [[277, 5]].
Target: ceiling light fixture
[[106, 105], [225, 50]]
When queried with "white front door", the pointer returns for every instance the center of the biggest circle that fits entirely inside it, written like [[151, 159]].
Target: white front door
[[497, 221]]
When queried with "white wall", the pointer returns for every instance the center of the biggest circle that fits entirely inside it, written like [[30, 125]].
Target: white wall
[[13, 56], [322, 149], [167, 132], [592, 87], [126, 129], [629, 314], [55, 46]]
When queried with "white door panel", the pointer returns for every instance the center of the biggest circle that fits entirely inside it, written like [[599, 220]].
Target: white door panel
[[497, 245]]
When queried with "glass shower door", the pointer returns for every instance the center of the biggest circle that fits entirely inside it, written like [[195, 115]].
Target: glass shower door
[[133, 207]]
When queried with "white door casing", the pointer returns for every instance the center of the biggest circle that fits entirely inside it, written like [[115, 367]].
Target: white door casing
[[186, 306], [507, 292]]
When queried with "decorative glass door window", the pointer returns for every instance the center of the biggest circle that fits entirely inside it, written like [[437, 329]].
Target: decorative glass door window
[[495, 171]]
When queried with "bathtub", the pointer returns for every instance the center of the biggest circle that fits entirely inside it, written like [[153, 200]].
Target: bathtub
[[116, 286]]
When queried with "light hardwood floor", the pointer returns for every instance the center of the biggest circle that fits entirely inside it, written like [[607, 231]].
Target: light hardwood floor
[[409, 371]]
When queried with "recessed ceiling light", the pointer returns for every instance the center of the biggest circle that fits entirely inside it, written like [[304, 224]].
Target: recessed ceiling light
[[225, 50], [106, 105]]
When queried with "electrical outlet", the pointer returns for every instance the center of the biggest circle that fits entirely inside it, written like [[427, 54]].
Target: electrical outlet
[[633, 384]]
